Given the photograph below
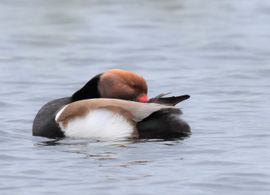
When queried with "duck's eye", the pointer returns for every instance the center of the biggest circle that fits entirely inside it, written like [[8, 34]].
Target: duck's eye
[[135, 85]]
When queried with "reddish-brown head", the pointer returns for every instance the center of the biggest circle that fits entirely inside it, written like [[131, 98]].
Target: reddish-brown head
[[122, 84]]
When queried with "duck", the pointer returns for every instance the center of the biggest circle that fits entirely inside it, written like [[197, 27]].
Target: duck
[[114, 119], [112, 84]]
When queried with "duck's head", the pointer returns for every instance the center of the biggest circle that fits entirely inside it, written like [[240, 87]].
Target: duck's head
[[115, 83], [122, 84]]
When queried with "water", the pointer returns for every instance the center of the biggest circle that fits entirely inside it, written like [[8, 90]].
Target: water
[[216, 51]]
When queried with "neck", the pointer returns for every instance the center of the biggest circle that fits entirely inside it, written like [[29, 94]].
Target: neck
[[88, 91]]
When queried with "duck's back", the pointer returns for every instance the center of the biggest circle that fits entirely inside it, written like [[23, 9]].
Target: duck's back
[[152, 121]]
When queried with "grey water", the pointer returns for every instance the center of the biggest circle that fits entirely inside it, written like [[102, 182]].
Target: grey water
[[216, 51]]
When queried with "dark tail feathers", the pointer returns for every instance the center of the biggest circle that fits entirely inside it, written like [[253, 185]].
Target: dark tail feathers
[[163, 124], [172, 101]]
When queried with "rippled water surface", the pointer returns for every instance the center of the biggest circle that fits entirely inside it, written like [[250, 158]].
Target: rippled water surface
[[216, 51]]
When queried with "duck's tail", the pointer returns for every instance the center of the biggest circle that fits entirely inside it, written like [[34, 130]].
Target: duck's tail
[[163, 124], [172, 101]]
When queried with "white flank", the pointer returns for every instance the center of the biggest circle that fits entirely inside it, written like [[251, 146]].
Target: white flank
[[98, 124]]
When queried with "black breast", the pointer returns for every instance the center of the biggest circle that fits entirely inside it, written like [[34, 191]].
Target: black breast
[[44, 123]]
